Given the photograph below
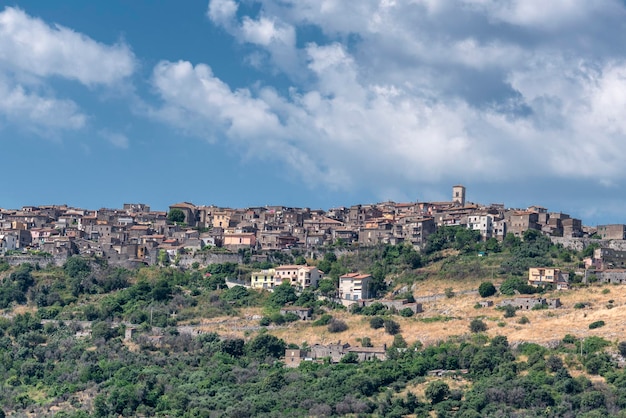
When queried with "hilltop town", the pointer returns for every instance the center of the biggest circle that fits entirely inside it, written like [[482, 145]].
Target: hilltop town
[[135, 234], [349, 291]]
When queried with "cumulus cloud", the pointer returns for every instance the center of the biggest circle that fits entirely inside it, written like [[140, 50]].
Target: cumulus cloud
[[397, 92], [31, 45], [276, 37], [32, 52], [36, 112]]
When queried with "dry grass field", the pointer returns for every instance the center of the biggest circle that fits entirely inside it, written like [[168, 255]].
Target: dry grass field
[[447, 317]]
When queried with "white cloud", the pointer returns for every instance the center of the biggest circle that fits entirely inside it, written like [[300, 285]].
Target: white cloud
[[29, 44], [276, 37], [116, 139], [549, 15], [36, 112], [222, 12], [400, 92], [33, 52]]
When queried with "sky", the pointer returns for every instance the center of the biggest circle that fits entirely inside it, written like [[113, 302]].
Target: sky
[[314, 103]]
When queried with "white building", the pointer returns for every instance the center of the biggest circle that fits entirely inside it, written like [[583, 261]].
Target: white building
[[298, 276], [354, 286], [8, 242]]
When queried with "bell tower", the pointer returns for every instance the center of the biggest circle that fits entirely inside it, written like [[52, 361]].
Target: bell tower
[[458, 194]]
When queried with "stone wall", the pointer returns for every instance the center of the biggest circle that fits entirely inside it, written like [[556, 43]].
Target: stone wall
[[611, 276], [16, 260], [580, 244], [186, 260]]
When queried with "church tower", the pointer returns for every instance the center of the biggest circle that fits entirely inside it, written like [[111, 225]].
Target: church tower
[[458, 194]]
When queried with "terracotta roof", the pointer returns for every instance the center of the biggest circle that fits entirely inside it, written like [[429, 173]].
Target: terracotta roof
[[357, 276]]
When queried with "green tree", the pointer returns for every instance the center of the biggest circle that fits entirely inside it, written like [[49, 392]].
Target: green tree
[[176, 215], [327, 287], [477, 325], [437, 391], [77, 266], [486, 289], [377, 322], [282, 295], [391, 326], [264, 346]]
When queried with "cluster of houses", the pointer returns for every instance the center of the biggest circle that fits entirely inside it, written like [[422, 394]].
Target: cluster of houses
[[333, 353], [138, 234]]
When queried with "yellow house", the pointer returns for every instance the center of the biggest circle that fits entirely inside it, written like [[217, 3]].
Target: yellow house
[[541, 276], [264, 279]]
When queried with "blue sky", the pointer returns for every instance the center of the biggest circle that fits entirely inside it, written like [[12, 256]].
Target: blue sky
[[315, 103]]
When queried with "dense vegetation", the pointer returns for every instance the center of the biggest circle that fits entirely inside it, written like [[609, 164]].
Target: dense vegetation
[[206, 375], [46, 361]]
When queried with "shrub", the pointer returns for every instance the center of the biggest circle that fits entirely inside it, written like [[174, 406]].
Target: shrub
[[449, 292], [621, 347], [605, 291], [596, 324], [324, 320], [579, 305], [523, 320], [291, 317], [569, 339], [366, 342], [265, 321], [509, 311], [391, 326], [277, 318], [377, 322], [554, 363], [437, 391], [406, 312], [337, 325], [477, 325], [486, 289]]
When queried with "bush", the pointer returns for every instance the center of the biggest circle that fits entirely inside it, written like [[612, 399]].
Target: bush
[[523, 320], [477, 325], [486, 289], [621, 347], [437, 391], [337, 325], [391, 326], [324, 320], [366, 342], [265, 321], [509, 311], [579, 305], [596, 324], [291, 317], [406, 312], [449, 292], [277, 318], [377, 322]]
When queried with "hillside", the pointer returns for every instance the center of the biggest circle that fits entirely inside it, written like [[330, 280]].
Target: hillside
[[199, 349]]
